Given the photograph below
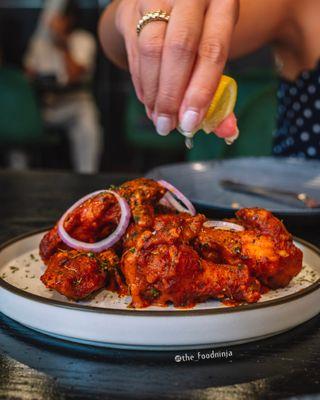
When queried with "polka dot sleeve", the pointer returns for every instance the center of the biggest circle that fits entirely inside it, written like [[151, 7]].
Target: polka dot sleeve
[[298, 123]]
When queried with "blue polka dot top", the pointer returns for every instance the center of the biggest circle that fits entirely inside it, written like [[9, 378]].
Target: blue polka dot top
[[298, 123]]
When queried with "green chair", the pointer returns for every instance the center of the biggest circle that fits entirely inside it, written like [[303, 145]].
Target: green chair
[[20, 118]]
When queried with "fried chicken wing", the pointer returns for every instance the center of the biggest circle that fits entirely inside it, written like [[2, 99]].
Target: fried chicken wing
[[162, 268], [76, 274], [91, 221], [98, 216], [142, 195], [264, 246]]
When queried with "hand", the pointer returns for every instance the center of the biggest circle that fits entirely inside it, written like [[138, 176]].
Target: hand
[[176, 67]]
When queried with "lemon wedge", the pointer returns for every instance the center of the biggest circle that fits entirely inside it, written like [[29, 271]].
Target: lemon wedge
[[222, 104], [221, 107]]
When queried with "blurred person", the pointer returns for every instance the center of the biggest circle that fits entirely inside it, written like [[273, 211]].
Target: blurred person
[[176, 63], [62, 57]]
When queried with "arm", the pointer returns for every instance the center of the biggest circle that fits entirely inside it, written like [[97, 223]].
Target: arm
[[111, 38], [260, 22]]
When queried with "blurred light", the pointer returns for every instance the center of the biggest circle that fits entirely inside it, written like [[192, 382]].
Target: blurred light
[[199, 167]]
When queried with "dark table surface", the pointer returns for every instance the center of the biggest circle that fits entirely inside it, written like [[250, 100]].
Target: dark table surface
[[35, 366]]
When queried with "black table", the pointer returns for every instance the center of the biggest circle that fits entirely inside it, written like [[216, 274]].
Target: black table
[[35, 366]]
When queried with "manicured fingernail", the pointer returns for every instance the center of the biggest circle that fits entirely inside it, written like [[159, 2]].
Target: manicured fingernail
[[190, 121], [164, 125], [231, 139]]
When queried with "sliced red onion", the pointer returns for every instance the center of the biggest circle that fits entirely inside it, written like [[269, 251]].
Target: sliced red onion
[[105, 243], [186, 205], [230, 226], [165, 202]]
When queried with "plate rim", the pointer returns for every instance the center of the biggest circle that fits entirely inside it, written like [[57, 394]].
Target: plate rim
[[152, 313]]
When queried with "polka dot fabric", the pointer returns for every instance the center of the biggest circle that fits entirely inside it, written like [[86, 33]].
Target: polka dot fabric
[[298, 126]]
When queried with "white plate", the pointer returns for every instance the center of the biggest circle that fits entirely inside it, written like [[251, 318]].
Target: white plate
[[106, 320]]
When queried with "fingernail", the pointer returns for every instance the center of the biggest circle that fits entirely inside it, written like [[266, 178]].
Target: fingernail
[[231, 139], [190, 121], [164, 125]]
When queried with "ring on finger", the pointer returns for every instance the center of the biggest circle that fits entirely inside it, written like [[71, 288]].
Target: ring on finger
[[152, 16]]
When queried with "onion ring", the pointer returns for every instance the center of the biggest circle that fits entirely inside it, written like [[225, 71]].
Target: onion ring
[[105, 243], [186, 205], [230, 226]]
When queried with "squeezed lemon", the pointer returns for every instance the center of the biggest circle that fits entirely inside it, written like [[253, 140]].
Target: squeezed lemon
[[221, 106]]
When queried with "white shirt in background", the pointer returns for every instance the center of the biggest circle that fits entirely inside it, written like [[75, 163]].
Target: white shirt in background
[[44, 58]]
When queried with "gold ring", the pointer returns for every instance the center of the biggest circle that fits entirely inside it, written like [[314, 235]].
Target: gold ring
[[158, 15]]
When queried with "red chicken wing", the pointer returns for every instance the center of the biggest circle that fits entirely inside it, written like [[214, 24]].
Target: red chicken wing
[[265, 246]]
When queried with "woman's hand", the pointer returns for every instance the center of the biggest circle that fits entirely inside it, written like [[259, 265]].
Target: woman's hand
[[176, 67]]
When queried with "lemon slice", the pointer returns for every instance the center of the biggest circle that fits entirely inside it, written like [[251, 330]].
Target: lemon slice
[[222, 104]]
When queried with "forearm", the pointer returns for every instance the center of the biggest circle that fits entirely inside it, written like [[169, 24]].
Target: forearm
[[110, 37], [260, 22]]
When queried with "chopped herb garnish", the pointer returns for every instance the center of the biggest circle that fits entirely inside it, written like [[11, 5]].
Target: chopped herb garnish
[[237, 250], [14, 269], [132, 250], [113, 187], [154, 292], [104, 265], [77, 282]]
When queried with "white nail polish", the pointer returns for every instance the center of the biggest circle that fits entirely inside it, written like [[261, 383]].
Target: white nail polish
[[163, 125], [190, 121], [231, 139]]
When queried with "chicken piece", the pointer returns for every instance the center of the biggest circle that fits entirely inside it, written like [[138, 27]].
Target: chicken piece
[[98, 216], [76, 274], [162, 268], [264, 246], [50, 243], [142, 195], [185, 226], [188, 226], [132, 234], [263, 221], [90, 222], [94, 219]]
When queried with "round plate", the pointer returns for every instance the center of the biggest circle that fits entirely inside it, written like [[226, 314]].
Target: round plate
[[106, 320], [199, 181]]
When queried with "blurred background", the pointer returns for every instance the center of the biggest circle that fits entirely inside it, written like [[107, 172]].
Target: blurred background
[[63, 105]]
